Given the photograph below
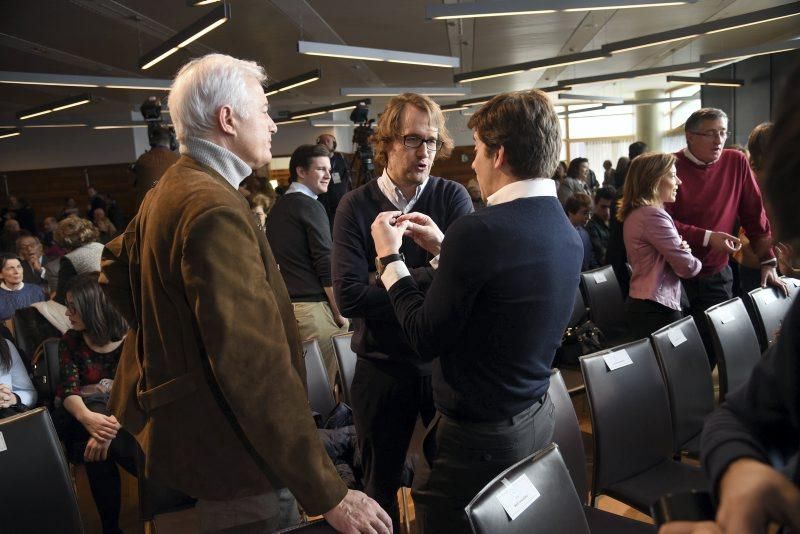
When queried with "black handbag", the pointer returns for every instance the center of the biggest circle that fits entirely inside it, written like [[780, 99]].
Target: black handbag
[[579, 340]]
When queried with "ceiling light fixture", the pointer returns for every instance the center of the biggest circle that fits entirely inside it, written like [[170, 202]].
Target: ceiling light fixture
[[197, 3], [772, 48], [392, 91], [70, 80], [376, 54], [12, 133], [478, 101], [582, 110], [331, 124], [288, 121], [58, 105], [717, 82], [215, 18], [714, 26], [291, 83], [76, 125], [328, 109], [453, 107], [504, 8], [625, 75], [507, 70], [117, 126], [590, 98]]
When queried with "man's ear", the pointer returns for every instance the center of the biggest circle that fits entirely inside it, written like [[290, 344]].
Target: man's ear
[[226, 120], [499, 158]]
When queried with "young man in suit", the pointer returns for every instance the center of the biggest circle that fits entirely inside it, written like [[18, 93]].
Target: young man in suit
[[496, 309]]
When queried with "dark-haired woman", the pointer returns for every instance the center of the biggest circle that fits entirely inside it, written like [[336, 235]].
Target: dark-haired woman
[[17, 393], [89, 353], [14, 294]]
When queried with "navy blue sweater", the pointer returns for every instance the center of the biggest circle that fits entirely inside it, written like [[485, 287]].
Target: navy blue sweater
[[377, 333], [497, 307]]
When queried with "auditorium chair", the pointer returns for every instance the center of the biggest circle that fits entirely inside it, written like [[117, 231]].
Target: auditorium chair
[[320, 393], [30, 330], [346, 359], [735, 344], [684, 366], [631, 428], [36, 490], [567, 435], [606, 305], [46, 371], [556, 509], [770, 307]]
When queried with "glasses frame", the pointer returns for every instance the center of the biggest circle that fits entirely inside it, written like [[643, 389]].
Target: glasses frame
[[438, 143], [711, 134]]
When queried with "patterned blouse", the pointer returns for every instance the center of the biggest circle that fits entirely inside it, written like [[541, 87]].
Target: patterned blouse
[[81, 366]]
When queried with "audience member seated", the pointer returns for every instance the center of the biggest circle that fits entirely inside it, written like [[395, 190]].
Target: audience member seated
[[79, 237], [14, 293], [575, 182], [88, 355], [597, 227], [8, 239], [70, 209], [107, 230], [51, 248], [17, 393], [29, 250], [657, 254], [579, 209], [260, 205]]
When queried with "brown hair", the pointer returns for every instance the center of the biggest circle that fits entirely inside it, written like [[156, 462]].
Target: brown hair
[[74, 232], [261, 200], [526, 125], [390, 125], [302, 156], [577, 201], [642, 181], [757, 145]]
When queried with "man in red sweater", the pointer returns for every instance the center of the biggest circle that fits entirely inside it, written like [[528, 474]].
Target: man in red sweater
[[718, 188]]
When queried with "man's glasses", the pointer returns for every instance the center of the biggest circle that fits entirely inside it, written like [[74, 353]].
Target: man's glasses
[[712, 134], [415, 141]]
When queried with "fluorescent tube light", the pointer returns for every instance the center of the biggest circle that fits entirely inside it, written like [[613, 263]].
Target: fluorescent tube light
[[590, 98], [327, 109], [625, 75], [291, 83], [376, 54], [12, 133], [392, 91], [117, 126], [507, 70], [75, 125], [54, 106], [741, 53], [289, 121], [718, 82], [504, 8]]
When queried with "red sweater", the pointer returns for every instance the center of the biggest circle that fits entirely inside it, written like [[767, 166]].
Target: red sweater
[[713, 197]]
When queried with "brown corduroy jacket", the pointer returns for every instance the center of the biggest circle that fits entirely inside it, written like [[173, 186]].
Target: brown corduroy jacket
[[212, 380]]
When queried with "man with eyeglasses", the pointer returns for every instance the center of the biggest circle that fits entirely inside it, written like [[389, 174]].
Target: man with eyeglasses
[[389, 390], [718, 188]]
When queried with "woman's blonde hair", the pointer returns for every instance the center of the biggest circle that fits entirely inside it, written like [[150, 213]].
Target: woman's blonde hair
[[74, 232], [642, 182]]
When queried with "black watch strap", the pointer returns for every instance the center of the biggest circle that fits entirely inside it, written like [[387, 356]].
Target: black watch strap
[[386, 260]]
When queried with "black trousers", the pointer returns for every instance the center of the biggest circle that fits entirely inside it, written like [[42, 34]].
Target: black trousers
[[387, 397], [702, 293], [647, 316], [469, 455]]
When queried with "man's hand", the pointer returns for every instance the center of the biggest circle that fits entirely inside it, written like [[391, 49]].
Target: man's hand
[[96, 450], [33, 261], [769, 275], [387, 233], [99, 426], [752, 495], [690, 527], [724, 242], [423, 231], [357, 514], [685, 246], [7, 398]]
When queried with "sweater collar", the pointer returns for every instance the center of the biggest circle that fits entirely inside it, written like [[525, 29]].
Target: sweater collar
[[219, 159]]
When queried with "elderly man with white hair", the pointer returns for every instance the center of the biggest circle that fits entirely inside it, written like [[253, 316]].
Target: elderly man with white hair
[[211, 382]]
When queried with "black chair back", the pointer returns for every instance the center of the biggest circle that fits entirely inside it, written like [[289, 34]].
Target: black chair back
[[567, 434], [770, 306], [735, 343], [46, 371], [30, 330], [630, 414], [556, 509], [37, 493], [579, 311], [684, 365], [346, 359], [606, 306], [320, 393]]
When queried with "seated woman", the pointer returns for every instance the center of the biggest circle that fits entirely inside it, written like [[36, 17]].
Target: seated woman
[[15, 294], [89, 353], [657, 254], [17, 393], [79, 237]]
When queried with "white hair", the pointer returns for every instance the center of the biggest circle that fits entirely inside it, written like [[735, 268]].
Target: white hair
[[204, 85]]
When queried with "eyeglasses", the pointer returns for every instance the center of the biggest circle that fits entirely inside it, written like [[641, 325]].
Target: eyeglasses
[[712, 134], [415, 141]]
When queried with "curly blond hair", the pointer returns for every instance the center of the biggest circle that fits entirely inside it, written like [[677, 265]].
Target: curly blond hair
[[74, 232]]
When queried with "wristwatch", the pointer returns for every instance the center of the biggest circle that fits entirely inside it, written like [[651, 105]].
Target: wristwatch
[[381, 263]]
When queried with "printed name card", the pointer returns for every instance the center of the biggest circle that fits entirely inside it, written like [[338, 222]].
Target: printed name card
[[675, 336], [2, 443], [599, 278], [769, 297], [517, 496], [618, 358], [726, 317]]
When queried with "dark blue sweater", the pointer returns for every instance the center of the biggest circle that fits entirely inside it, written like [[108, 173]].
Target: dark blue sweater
[[497, 308], [377, 333]]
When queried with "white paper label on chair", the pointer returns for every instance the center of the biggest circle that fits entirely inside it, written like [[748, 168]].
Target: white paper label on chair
[[796, 282], [726, 317], [675, 336], [2, 443], [517, 496], [769, 297], [599, 278], [618, 358]]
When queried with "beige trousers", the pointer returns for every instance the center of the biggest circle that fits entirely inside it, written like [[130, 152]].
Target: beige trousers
[[315, 319]]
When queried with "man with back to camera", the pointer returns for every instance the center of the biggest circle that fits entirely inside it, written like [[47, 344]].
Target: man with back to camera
[[152, 164], [340, 177], [496, 309], [298, 232], [390, 389], [211, 382], [718, 187]]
